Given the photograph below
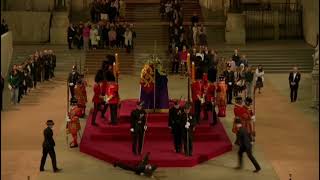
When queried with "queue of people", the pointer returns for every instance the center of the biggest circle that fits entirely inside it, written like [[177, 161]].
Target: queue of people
[[106, 10], [102, 35], [23, 77]]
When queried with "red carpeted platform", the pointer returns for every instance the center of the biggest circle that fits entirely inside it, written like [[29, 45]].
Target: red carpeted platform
[[113, 143]]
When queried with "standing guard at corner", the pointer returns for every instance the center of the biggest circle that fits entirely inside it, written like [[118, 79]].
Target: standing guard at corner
[[221, 97], [138, 128], [73, 124], [188, 127], [72, 80], [174, 124], [112, 100]]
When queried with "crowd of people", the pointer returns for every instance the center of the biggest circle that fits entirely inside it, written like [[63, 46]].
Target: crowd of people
[[4, 27], [23, 77], [107, 10], [103, 34]]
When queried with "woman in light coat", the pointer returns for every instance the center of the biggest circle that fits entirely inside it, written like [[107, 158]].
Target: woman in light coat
[[94, 37], [128, 39], [259, 78]]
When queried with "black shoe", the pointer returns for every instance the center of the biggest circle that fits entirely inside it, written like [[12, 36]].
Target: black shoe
[[94, 124], [74, 146], [41, 170], [103, 117], [238, 168], [57, 170], [257, 170]]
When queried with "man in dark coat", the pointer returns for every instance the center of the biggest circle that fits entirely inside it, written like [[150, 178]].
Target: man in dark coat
[[244, 142], [236, 58], [294, 79], [138, 128], [174, 124], [72, 80], [34, 71], [48, 147], [229, 78], [71, 33], [142, 168], [188, 127]]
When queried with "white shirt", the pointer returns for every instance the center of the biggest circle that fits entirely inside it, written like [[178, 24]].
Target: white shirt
[[294, 76]]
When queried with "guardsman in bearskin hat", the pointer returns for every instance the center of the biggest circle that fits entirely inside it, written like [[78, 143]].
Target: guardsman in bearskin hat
[[97, 100], [209, 94], [175, 125], [188, 127], [138, 127], [197, 99], [239, 112], [73, 124], [112, 100], [48, 147], [249, 117], [221, 97]]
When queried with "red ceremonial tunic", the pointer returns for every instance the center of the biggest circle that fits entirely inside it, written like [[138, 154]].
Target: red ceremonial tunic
[[196, 90], [97, 93], [210, 92], [81, 95], [74, 124], [247, 122], [113, 90], [239, 111], [221, 94]]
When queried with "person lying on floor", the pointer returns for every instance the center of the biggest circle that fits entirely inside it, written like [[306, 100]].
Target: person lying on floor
[[142, 168]]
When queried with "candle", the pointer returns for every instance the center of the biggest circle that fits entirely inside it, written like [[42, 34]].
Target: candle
[[117, 61], [188, 62], [114, 69], [193, 74]]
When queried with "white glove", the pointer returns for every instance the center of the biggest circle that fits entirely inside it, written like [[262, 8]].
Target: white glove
[[253, 118], [70, 84], [170, 127], [145, 127], [131, 130], [9, 86], [187, 125], [230, 83]]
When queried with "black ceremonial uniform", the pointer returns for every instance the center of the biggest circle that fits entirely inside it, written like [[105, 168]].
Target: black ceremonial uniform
[[48, 148], [138, 121], [175, 125], [187, 133], [229, 78]]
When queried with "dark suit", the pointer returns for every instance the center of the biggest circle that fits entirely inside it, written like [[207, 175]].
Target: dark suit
[[229, 76], [175, 124], [139, 168], [244, 142], [48, 148], [187, 134], [294, 85], [34, 72], [73, 78], [71, 34], [137, 124]]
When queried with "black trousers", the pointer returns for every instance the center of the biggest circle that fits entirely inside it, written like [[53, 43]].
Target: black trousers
[[229, 94], [21, 91], [175, 67], [197, 110], [114, 113], [137, 138], [210, 107], [250, 156], [96, 108], [46, 73], [34, 81], [104, 110], [72, 91], [70, 40], [293, 93], [187, 140], [52, 154], [177, 138]]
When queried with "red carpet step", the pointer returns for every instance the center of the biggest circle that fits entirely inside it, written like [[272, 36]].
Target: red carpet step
[[113, 143]]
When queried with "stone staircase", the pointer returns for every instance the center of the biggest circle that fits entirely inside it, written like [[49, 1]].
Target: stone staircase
[[274, 56]]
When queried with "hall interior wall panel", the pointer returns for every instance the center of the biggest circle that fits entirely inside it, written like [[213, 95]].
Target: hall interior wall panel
[[28, 26]]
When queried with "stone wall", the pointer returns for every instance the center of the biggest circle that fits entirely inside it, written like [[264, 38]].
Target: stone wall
[[28, 26], [310, 20], [28, 5], [6, 52]]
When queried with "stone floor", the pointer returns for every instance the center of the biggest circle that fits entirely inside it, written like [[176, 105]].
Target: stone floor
[[287, 137]]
